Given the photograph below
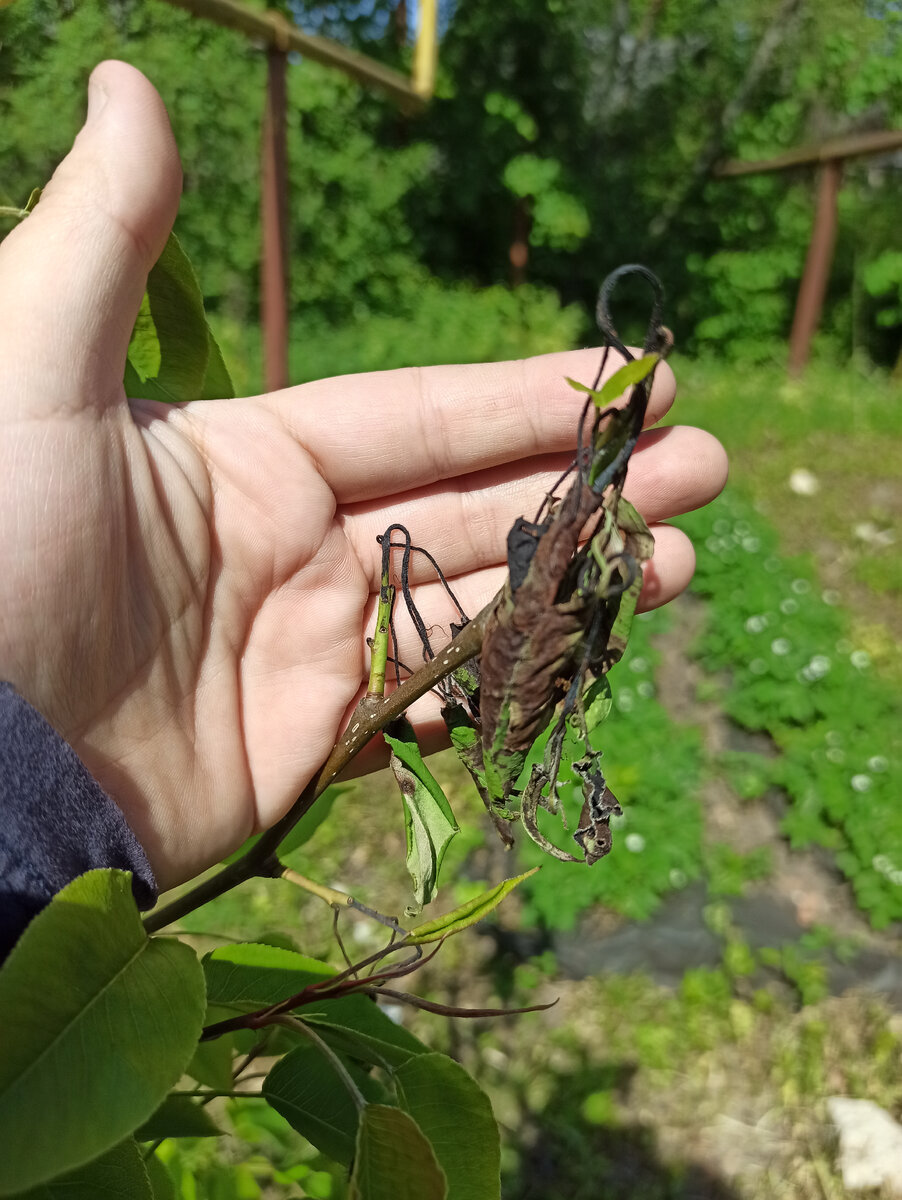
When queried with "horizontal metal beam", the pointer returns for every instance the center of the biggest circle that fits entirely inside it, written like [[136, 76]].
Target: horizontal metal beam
[[276, 31], [857, 145]]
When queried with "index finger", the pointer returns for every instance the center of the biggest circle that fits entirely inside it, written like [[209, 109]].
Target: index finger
[[389, 431]]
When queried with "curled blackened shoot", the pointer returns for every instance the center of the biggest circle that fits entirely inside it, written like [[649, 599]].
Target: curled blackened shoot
[[583, 454], [387, 546], [415, 616], [632, 573], [442, 578], [385, 542], [446, 689], [573, 707], [571, 701], [394, 654], [601, 520], [655, 341], [655, 338]]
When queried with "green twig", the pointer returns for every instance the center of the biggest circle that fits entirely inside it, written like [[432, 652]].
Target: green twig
[[379, 653], [339, 900], [19, 214]]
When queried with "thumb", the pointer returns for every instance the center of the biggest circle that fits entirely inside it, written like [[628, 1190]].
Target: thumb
[[72, 274]]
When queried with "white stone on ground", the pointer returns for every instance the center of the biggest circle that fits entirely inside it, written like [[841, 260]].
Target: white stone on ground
[[870, 1144]]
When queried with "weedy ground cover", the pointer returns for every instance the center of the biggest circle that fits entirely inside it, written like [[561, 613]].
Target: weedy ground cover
[[792, 668], [821, 458], [798, 563]]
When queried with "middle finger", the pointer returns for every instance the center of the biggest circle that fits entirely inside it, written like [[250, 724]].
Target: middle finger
[[464, 523]]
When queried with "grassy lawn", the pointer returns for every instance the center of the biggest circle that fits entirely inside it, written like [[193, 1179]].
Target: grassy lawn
[[842, 427]]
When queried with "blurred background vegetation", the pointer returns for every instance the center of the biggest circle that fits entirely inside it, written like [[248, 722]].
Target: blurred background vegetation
[[585, 127], [732, 963]]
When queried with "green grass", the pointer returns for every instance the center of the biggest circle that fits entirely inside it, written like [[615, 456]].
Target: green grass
[[842, 425], [803, 614], [797, 674]]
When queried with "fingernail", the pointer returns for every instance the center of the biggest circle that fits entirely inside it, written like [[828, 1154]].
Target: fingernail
[[97, 98]]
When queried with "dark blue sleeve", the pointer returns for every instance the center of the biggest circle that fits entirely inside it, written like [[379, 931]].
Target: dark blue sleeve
[[56, 822]]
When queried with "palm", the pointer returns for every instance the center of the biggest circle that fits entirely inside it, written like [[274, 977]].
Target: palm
[[222, 646]]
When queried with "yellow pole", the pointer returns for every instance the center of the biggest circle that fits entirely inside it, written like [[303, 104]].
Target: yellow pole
[[425, 54]]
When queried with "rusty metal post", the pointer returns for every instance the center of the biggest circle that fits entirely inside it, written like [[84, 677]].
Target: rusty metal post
[[274, 220], [519, 247], [817, 266]]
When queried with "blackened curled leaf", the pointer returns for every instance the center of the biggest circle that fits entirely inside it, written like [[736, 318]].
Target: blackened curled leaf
[[593, 833], [522, 542], [563, 617]]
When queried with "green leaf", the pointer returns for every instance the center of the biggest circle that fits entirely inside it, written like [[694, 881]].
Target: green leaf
[[308, 1092], [98, 1023], [246, 977], [628, 375], [162, 1184], [529, 175], [212, 1063], [580, 387], [178, 1116], [428, 819], [358, 1027], [250, 975], [598, 702], [463, 733], [467, 914], [456, 1116], [394, 1160], [172, 355], [117, 1175], [311, 821]]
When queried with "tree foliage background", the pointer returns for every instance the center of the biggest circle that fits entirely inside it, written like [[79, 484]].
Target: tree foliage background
[[585, 128]]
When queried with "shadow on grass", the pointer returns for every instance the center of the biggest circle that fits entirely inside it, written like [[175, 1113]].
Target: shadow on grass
[[580, 1148]]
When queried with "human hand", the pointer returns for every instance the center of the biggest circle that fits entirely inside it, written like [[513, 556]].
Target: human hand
[[187, 589]]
